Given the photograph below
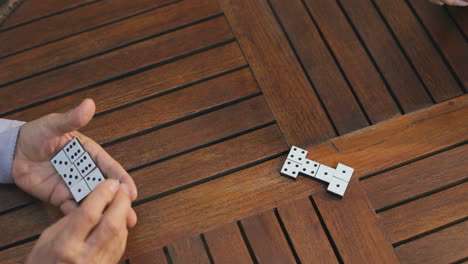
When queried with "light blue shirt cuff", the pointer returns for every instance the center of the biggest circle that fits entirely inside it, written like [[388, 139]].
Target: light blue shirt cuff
[[8, 134]]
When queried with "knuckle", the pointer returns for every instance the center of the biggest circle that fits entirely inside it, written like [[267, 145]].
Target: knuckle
[[112, 228], [89, 217], [64, 252]]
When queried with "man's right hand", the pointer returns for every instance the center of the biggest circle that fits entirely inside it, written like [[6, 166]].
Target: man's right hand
[[96, 232]]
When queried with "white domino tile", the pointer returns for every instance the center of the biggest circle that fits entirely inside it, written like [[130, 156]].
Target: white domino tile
[[344, 172], [325, 173], [61, 162], [85, 164], [291, 169], [94, 178], [309, 168], [337, 186], [74, 149], [297, 154], [71, 176], [80, 190]]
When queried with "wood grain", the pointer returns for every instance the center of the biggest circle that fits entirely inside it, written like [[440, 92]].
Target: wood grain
[[16, 255], [161, 143], [280, 77], [417, 178], [396, 70], [419, 49], [461, 17], [188, 250], [357, 66], [186, 135], [152, 82], [210, 161], [103, 39], [325, 75], [425, 214], [445, 246], [32, 10], [11, 197], [267, 239], [171, 107], [155, 256], [306, 232], [235, 196], [72, 22], [227, 245], [111, 65], [17, 225], [353, 224], [449, 39]]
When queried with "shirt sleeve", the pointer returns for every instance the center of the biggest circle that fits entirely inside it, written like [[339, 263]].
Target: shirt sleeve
[[8, 134]]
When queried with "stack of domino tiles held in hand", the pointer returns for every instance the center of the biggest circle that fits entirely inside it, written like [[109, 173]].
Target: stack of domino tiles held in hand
[[77, 169], [296, 163]]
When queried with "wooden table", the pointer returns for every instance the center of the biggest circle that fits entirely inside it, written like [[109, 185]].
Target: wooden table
[[200, 101]]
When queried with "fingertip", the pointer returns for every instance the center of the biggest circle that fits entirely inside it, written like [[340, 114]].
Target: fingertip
[[132, 218], [68, 206], [84, 112]]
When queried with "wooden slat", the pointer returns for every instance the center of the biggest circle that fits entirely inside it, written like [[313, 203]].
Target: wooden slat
[[280, 77], [189, 250], [72, 22], [168, 108], [446, 35], [306, 232], [354, 227], [395, 68], [32, 10], [16, 254], [210, 161], [105, 38], [174, 139], [425, 214], [461, 17], [326, 77], [187, 135], [12, 197], [358, 68], [236, 196], [113, 64], [422, 53], [417, 178], [155, 256], [18, 225], [445, 246], [227, 245], [267, 239], [148, 83]]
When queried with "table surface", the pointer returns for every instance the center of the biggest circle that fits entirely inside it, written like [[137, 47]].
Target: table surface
[[200, 100]]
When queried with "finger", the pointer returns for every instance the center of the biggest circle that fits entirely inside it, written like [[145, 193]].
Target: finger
[[456, 2], [88, 215], [113, 223], [108, 165], [68, 206], [437, 2], [72, 120], [131, 218]]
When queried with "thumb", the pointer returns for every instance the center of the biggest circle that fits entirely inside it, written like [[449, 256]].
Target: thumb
[[73, 119]]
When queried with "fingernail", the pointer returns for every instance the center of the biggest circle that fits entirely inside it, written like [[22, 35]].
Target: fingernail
[[461, 3], [113, 185], [125, 188]]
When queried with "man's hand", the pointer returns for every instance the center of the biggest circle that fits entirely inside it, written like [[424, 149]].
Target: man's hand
[[450, 2], [89, 234], [39, 140]]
